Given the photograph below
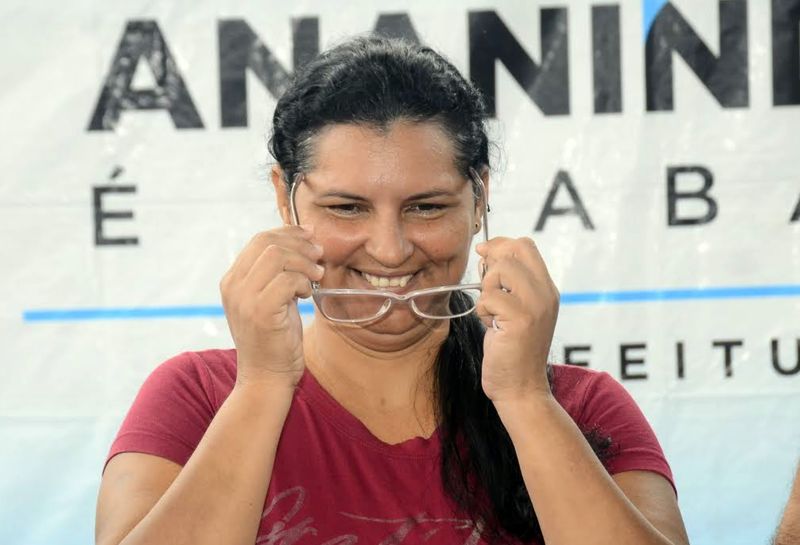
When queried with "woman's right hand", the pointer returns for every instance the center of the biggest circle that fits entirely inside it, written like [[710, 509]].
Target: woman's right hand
[[259, 295]]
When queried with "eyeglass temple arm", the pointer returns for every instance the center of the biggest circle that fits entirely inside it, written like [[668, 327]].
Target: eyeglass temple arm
[[293, 211], [485, 208], [485, 213], [292, 190]]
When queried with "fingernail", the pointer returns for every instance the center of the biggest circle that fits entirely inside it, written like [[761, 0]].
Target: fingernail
[[320, 269], [318, 249]]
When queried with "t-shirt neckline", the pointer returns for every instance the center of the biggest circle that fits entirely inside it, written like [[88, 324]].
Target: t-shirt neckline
[[345, 422]]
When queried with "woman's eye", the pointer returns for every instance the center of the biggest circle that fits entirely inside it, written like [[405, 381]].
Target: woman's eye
[[426, 208], [347, 209]]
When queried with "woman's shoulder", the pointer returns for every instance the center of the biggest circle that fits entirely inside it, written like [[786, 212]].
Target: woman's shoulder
[[208, 373], [175, 405], [568, 380], [603, 408], [221, 363], [578, 389]]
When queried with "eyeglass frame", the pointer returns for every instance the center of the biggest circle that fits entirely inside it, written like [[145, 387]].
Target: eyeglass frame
[[317, 293]]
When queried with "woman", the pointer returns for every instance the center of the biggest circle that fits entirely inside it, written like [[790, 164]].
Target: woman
[[423, 421]]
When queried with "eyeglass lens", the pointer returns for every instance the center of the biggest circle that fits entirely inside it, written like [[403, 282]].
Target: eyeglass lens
[[348, 307]]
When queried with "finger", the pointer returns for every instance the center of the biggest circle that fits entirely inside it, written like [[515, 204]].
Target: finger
[[492, 245], [510, 293], [513, 314], [526, 251], [485, 248], [285, 287], [495, 302], [499, 309], [522, 249], [275, 260], [485, 317], [497, 248], [292, 237], [510, 275]]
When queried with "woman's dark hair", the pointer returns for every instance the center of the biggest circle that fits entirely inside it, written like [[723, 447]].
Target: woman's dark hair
[[374, 82]]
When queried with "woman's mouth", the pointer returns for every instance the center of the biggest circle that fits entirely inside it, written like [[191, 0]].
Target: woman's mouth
[[395, 281]]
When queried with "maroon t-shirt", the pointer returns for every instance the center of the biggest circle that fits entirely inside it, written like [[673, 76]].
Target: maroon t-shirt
[[333, 482]]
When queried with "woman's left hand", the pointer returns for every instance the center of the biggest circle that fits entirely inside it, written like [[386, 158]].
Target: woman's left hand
[[519, 307]]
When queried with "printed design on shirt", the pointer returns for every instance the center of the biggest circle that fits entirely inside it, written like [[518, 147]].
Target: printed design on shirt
[[295, 527]]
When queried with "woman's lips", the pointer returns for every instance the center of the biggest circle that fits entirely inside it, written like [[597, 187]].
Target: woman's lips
[[394, 283], [387, 281]]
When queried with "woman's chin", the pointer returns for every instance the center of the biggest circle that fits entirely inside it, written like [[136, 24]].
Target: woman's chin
[[397, 322]]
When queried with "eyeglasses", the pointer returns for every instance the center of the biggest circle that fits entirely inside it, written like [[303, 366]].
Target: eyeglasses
[[356, 306]]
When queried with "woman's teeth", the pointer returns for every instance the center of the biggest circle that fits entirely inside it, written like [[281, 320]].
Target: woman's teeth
[[387, 282]]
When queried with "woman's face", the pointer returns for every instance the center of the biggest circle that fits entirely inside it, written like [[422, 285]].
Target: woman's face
[[390, 210]]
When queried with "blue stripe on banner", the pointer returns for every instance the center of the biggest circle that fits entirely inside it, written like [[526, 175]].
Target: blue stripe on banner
[[133, 313], [687, 294], [574, 298]]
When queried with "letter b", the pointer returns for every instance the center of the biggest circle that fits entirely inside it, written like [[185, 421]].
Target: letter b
[[674, 195]]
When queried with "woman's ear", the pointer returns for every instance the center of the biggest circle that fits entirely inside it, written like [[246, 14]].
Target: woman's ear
[[281, 194]]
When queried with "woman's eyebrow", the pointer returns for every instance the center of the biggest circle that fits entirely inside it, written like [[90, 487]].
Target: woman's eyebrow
[[417, 196], [431, 194], [343, 195]]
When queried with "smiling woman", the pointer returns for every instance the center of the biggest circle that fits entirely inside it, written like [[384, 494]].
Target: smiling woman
[[431, 214], [413, 408], [395, 227]]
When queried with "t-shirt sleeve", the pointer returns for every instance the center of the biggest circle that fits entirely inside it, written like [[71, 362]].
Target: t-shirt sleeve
[[610, 409], [171, 412]]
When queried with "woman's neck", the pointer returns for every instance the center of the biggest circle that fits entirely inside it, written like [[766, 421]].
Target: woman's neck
[[393, 382]]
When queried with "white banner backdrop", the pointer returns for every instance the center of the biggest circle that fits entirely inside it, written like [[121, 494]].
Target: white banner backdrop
[[649, 147]]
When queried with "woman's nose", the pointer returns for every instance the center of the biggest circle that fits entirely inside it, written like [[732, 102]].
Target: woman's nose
[[388, 242]]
